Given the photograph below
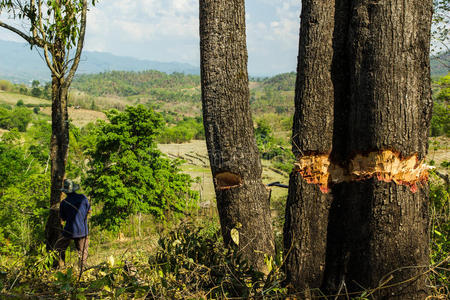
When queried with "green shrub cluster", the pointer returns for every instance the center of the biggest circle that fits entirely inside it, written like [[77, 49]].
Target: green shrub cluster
[[190, 262], [271, 148], [128, 174], [193, 261], [18, 118], [440, 229], [440, 122], [182, 131], [24, 192], [23, 214]]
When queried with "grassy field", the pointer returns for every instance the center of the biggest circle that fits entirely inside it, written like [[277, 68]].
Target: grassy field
[[196, 164], [12, 98]]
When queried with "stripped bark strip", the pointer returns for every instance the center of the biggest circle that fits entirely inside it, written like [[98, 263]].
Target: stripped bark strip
[[385, 166]]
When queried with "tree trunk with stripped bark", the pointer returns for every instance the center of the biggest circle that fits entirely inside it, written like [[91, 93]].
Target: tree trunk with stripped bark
[[373, 172]]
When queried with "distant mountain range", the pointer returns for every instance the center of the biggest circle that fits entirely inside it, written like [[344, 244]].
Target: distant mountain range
[[21, 65], [439, 65]]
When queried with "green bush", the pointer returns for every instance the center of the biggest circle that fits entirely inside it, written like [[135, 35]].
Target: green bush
[[38, 140], [24, 212], [128, 173], [440, 122], [184, 131], [440, 228], [14, 162], [5, 85], [18, 118], [5, 118], [21, 117], [36, 92]]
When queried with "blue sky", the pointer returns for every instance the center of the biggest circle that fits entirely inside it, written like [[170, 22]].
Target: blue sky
[[167, 30]]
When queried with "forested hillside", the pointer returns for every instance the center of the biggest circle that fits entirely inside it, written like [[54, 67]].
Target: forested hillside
[[122, 83]]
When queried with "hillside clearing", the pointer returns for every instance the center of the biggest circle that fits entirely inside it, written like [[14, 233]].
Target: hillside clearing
[[80, 117], [12, 98], [196, 164]]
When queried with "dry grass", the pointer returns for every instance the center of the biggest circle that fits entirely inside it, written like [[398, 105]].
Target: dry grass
[[80, 117], [197, 165], [2, 131], [12, 98], [253, 85], [77, 98], [439, 151]]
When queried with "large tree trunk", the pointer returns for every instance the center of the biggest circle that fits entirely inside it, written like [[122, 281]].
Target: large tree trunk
[[242, 198], [58, 155], [380, 86], [386, 223], [307, 206]]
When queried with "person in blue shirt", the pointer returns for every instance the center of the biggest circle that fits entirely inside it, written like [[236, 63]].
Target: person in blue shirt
[[74, 210]]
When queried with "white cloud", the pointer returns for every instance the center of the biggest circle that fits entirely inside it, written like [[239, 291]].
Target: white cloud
[[167, 30], [152, 22], [273, 38]]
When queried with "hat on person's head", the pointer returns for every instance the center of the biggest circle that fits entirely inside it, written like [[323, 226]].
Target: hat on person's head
[[70, 186]]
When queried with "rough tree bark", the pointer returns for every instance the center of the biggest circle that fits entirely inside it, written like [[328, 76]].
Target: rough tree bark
[[312, 135], [386, 223], [378, 220], [242, 198], [59, 146]]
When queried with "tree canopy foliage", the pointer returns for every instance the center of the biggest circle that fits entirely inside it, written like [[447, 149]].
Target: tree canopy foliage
[[128, 173], [56, 26], [440, 122], [19, 118], [441, 22]]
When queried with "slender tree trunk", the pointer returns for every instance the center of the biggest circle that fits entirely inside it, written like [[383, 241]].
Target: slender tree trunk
[[377, 233], [307, 206], [59, 146], [242, 198], [59, 143]]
